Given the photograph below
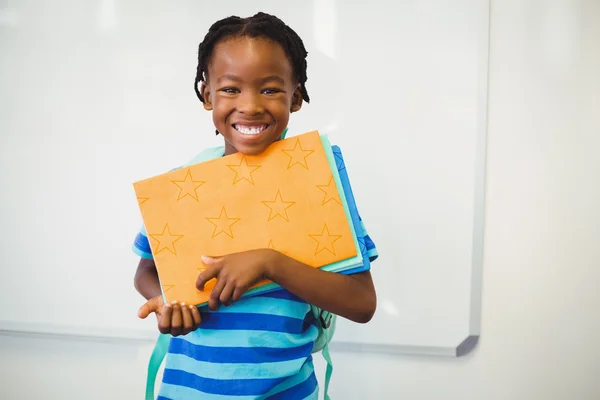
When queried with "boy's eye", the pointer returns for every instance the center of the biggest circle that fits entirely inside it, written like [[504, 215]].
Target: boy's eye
[[271, 91], [230, 90]]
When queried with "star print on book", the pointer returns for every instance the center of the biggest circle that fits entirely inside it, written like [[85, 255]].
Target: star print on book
[[223, 224], [188, 186], [325, 240], [298, 155], [331, 192], [243, 171], [166, 288], [166, 240], [278, 207]]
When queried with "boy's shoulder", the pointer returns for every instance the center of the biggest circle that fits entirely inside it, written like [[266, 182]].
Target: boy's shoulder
[[207, 154]]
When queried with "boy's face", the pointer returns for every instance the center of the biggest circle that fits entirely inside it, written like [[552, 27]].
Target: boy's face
[[251, 91]]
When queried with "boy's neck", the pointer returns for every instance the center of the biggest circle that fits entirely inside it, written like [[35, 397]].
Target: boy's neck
[[229, 149]]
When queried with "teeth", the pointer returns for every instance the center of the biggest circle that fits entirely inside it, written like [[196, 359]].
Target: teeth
[[250, 130]]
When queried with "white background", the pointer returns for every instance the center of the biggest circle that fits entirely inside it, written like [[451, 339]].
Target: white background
[[540, 323], [97, 95]]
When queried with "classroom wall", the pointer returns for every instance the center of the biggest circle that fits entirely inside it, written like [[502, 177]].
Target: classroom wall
[[541, 323]]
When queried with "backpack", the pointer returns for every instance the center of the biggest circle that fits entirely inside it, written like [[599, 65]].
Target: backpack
[[325, 323]]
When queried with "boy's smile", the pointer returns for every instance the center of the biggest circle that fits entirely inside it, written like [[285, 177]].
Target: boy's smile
[[251, 132], [251, 91]]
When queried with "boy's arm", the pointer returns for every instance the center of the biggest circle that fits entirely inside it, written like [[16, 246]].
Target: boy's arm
[[146, 279], [350, 296]]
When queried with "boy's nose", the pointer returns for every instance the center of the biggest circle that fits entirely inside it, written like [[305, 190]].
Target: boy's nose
[[250, 104]]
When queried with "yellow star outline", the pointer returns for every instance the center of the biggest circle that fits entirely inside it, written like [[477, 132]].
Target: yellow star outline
[[278, 207], [298, 155], [188, 186], [325, 240], [331, 192], [166, 240], [166, 288], [243, 171], [223, 224], [142, 200]]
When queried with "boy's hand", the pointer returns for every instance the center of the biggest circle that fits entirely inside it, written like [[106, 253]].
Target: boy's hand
[[175, 319], [235, 274]]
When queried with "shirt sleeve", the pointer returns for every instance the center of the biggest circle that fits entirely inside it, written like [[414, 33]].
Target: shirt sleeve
[[141, 246]]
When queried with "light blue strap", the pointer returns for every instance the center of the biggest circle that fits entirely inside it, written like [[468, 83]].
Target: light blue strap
[[284, 134], [328, 370], [158, 354]]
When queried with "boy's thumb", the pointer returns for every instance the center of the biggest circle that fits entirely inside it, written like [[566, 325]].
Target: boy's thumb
[[147, 308], [143, 311]]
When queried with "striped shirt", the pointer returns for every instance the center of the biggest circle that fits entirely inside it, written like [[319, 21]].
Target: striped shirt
[[258, 348]]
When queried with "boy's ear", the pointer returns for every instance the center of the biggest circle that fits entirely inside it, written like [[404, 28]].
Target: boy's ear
[[205, 91], [296, 100]]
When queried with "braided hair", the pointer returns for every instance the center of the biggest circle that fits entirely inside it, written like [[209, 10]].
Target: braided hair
[[259, 25]]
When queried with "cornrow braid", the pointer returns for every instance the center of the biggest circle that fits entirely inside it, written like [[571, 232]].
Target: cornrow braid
[[259, 25]]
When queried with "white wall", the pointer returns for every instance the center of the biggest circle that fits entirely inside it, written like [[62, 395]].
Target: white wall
[[541, 318]]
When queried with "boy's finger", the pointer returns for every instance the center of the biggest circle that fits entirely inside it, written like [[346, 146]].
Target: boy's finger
[[213, 299], [176, 320], [164, 323], [205, 276], [195, 316], [238, 292], [188, 321], [208, 260], [225, 296]]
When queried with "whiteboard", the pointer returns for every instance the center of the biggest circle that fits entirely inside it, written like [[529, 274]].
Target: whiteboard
[[96, 95]]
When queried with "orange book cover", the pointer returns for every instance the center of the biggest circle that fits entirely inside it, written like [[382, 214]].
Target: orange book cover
[[285, 198]]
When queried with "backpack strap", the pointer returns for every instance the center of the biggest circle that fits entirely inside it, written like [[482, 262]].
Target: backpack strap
[[326, 323], [207, 154], [156, 359], [328, 370]]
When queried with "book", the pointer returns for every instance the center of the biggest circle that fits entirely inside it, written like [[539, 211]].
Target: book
[[289, 198]]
